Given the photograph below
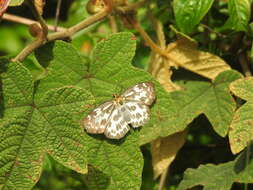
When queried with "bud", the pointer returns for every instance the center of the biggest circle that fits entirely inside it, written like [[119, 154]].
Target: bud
[[95, 6], [35, 30]]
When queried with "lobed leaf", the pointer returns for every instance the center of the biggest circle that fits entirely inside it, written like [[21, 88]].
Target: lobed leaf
[[120, 164], [222, 176], [28, 130], [241, 132]]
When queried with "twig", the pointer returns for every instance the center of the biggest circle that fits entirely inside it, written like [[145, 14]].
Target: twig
[[76, 28], [60, 35], [113, 24], [148, 40], [58, 8], [39, 18], [163, 179], [26, 21]]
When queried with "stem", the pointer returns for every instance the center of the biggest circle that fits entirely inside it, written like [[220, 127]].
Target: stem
[[59, 35], [26, 21], [39, 18], [113, 24], [244, 65], [163, 179], [57, 14], [76, 28], [149, 41], [28, 50]]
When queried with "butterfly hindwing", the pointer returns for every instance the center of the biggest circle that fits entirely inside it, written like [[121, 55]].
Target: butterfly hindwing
[[137, 113]]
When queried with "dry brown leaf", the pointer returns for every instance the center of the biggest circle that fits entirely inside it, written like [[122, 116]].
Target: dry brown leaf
[[164, 151], [188, 57], [39, 4]]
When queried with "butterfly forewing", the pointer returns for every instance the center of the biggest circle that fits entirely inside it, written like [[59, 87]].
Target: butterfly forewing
[[96, 120], [142, 92]]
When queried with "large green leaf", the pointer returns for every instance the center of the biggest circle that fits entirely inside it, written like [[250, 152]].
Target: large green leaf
[[222, 176], [188, 13], [109, 72], [211, 98], [241, 130], [239, 15], [28, 130]]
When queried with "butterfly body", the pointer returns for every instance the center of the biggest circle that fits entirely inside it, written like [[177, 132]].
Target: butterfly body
[[113, 117]]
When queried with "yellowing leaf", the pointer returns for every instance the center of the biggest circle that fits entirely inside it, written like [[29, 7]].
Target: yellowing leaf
[[160, 69], [241, 128], [164, 151], [200, 62]]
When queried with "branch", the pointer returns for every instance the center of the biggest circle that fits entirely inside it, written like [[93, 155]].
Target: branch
[[149, 41], [57, 14], [76, 28], [60, 35], [163, 179], [26, 21]]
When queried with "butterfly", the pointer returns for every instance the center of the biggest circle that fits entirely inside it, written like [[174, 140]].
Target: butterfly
[[113, 117]]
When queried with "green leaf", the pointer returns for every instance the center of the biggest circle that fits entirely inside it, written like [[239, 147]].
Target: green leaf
[[239, 15], [188, 13], [241, 132], [16, 2], [28, 130], [120, 162], [109, 72], [218, 177], [211, 98], [222, 176]]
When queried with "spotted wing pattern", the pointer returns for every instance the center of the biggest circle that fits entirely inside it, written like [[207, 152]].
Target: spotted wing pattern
[[97, 120], [136, 114], [112, 118], [143, 93], [117, 126]]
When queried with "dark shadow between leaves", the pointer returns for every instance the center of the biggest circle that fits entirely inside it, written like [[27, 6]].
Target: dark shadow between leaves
[[3, 62], [45, 58], [102, 137], [96, 179], [244, 160]]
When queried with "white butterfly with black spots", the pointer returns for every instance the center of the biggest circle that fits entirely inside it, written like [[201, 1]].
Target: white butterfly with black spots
[[113, 117]]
